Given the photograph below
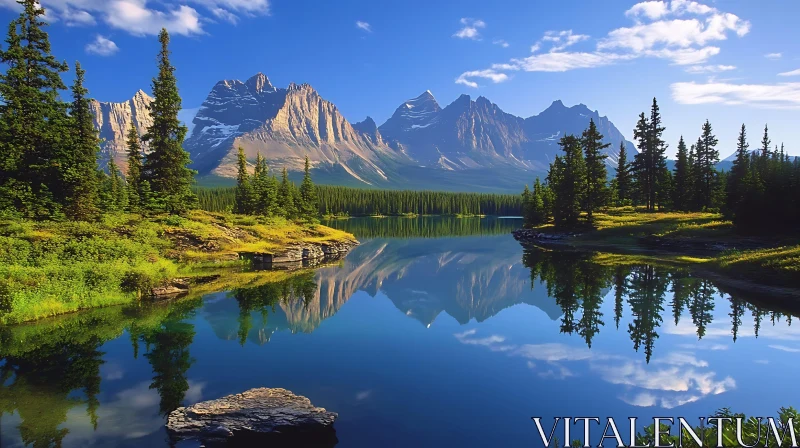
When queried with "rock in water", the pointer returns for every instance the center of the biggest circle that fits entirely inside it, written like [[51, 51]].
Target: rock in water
[[263, 415]]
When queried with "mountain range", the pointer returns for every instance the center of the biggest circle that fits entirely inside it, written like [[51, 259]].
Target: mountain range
[[468, 145]]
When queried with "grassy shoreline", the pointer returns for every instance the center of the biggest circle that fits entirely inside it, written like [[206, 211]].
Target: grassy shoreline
[[704, 240], [52, 268]]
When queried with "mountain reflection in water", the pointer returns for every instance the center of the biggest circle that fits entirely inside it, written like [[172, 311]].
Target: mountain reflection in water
[[109, 376]]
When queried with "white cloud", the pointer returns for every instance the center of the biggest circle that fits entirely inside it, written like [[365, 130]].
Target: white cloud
[[791, 73], [364, 26], [560, 40], [102, 46], [773, 55], [470, 29], [561, 62], [76, 17], [679, 31], [657, 9], [147, 17], [495, 77], [501, 42], [778, 96], [784, 348], [672, 380], [224, 14], [134, 17], [699, 69], [493, 342]]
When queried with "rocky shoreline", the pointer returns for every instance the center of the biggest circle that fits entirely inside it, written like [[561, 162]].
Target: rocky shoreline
[[530, 236], [306, 255], [295, 256]]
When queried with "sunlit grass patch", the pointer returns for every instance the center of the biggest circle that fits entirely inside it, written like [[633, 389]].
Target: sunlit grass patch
[[51, 268]]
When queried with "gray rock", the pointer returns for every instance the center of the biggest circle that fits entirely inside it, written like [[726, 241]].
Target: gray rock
[[307, 253], [263, 415]]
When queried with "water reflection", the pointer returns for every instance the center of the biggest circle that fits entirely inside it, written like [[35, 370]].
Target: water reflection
[[51, 372]]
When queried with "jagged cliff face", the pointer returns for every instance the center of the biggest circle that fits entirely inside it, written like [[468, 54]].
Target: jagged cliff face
[[477, 134], [544, 130], [113, 120], [285, 126], [470, 145]]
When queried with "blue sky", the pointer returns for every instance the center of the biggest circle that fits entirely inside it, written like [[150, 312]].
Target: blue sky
[[730, 61]]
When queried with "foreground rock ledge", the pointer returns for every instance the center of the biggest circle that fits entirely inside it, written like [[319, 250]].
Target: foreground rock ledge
[[263, 415]]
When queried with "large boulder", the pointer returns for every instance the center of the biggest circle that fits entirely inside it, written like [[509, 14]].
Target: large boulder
[[258, 416]]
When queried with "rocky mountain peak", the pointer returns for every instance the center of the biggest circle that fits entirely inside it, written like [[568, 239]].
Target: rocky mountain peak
[[368, 125], [259, 83], [369, 130], [142, 94], [113, 120]]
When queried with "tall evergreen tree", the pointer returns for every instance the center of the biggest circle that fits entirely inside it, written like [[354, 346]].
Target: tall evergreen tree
[[539, 212], [33, 120], [737, 179], [596, 188], [527, 212], [264, 189], [286, 202], [567, 177], [134, 178], [682, 183], [244, 192], [166, 167], [308, 194], [80, 167], [623, 176], [650, 164], [765, 142], [114, 195], [706, 157]]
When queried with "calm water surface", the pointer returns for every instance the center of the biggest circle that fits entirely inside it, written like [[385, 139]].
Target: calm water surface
[[432, 333]]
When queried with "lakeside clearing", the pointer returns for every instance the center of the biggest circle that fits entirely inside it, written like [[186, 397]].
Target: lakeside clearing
[[706, 240], [50, 268]]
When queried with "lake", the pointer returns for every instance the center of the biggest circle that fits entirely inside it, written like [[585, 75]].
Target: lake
[[433, 332]]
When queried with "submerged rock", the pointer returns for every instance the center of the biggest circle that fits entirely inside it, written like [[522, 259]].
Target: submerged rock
[[263, 415]]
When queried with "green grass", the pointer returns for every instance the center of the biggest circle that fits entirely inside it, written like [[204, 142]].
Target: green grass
[[52, 268], [771, 259]]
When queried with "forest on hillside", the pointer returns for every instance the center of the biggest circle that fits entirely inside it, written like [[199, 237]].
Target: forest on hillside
[[760, 193]]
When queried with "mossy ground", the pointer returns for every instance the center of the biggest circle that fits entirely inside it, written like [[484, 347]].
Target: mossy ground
[[52, 268], [618, 235]]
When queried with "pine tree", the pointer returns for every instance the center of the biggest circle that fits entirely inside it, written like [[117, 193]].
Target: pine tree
[[527, 211], [650, 164], [639, 166], [308, 195], [765, 142], [596, 189], [286, 203], [264, 189], [114, 194], [737, 179], [33, 120], [134, 178], [623, 176], [539, 213], [682, 182], [244, 191], [706, 157], [166, 165], [80, 167], [567, 177]]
